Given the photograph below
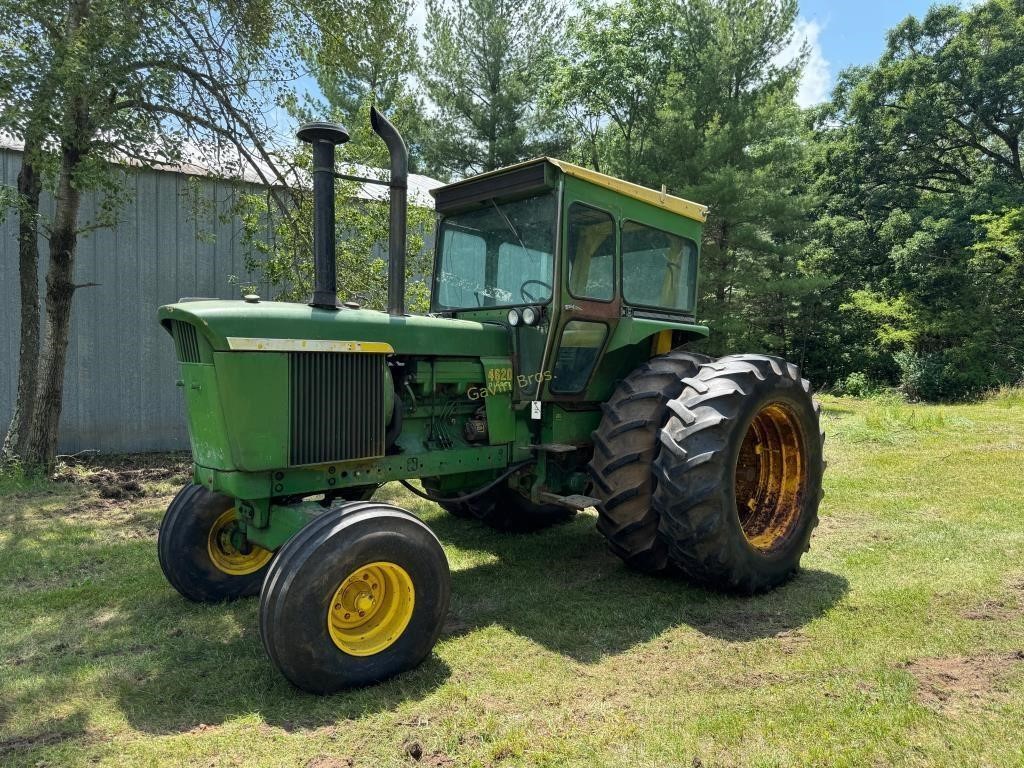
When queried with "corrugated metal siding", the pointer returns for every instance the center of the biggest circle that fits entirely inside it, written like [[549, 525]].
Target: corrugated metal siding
[[119, 385]]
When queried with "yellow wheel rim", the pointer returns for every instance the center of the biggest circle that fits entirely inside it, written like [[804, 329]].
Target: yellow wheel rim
[[371, 608], [225, 556], [771, 477]]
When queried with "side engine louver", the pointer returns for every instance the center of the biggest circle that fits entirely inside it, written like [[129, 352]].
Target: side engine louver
[[336, 406], [186, 343]]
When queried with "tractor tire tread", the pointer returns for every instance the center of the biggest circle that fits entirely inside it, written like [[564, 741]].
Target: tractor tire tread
[[625, 446]]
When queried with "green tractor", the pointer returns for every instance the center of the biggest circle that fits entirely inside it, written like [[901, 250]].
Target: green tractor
[[550, 376]]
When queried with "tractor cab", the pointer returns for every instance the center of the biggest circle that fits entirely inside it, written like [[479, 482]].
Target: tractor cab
[[574, 262]]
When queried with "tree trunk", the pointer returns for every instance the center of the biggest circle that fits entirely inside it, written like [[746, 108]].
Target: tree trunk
[[29, 187], [41, 449]]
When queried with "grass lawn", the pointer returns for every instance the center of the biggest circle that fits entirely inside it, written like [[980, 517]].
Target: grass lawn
[[901, 643]]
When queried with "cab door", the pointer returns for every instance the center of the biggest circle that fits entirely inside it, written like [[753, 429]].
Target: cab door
[[590, 297]]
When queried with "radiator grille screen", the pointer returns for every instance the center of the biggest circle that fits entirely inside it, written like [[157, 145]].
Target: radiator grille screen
[[337, 406], [186, 344]]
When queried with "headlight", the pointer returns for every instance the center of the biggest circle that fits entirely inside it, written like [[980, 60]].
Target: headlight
[[531, 315], [513, 317]]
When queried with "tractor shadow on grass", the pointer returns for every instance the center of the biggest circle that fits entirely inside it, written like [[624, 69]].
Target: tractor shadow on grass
[[560, 588], [191, 683], [120, 634], [564, 590]]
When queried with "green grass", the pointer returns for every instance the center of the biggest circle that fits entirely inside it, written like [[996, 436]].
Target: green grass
[[898, 644]]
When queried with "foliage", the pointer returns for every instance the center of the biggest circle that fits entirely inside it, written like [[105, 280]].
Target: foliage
[[611, 80], [368, 61], [1008, 397], [918, 176], [485, 65], [857, 384], [371, 63], [285, 260], [730, 104], [880, 234]]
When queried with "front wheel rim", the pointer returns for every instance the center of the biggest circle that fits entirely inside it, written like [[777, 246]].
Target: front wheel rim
[[771, 477], [371, 608], [225, 556]]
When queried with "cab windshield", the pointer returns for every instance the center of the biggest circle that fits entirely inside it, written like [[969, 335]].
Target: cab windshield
[[497, 255]]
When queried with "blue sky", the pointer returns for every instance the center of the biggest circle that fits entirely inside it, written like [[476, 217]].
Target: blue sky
[[843, 34]]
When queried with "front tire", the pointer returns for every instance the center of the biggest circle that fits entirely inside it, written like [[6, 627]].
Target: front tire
[[199, 556], [358, 595], [739, 473]]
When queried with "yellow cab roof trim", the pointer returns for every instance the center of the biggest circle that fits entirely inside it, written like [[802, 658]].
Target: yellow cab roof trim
[[671, 203], [664, 200]]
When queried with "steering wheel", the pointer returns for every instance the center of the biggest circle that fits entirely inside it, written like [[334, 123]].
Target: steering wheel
[[527, 296]]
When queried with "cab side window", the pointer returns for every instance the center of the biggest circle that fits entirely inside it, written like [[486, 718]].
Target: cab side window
[[659, 269], [591, 248]]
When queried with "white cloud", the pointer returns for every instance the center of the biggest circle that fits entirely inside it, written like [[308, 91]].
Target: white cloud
[[816, 79]]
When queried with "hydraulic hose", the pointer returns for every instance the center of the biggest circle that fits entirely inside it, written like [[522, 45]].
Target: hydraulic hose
[[472, 494]]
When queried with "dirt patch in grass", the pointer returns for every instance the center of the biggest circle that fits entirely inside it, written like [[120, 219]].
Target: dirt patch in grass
[[330, 762], [125, 477], [1002, 608], [54, 732], [949, 683]]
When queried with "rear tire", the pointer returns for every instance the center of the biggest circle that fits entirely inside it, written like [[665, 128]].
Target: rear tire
[[195, 551], [625, 445], [503, 509], [739, 473], [359, 558]]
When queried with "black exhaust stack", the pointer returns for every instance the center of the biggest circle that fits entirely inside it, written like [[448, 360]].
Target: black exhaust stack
[[399, 191], [324, 137]]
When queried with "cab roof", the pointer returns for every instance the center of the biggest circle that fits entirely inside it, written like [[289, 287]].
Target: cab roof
[[660, 199]]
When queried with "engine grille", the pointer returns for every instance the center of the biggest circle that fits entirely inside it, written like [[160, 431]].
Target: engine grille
[[336, 408], [186, 344]]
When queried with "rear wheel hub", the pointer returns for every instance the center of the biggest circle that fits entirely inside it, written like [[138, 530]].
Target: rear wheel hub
[[771, 475]]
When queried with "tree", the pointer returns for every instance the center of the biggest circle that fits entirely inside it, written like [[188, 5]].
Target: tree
[[729, 136], [366, 63], [93, 82], [486, 64], [611, 82], [369, 64], [696, 97], [919, 170], [356, 66], [286, 260]]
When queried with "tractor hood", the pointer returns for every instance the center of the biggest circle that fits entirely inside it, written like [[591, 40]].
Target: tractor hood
[[279, 326]]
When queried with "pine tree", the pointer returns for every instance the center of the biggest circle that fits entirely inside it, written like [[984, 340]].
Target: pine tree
[[485, 66]]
